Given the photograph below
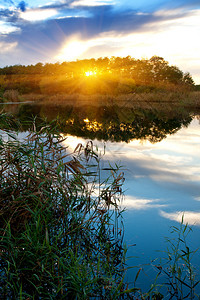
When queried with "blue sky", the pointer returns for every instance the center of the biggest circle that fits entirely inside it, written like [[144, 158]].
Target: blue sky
[[65, 30]]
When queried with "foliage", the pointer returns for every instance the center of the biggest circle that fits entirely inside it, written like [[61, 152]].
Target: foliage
[[197, 87], [115, 75], [11, 95], [177, 269], [60, 226], [111, 123]]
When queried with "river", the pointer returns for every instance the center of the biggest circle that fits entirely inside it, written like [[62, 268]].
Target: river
[[159, 155]]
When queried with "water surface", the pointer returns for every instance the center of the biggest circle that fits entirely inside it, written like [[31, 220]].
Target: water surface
[[159, 155], [162, 183]]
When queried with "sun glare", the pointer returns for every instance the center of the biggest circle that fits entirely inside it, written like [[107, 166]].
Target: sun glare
[[72, 50], [90, 73]]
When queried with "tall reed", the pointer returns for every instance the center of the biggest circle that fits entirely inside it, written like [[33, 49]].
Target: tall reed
[[60, 234]]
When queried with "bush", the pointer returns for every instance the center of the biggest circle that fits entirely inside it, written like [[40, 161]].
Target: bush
[[11, 95]]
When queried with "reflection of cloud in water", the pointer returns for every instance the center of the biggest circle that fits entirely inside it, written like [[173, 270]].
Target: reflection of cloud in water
[[72, 141], [174, 160], [190, 217], [172, 163], [137, 203], [8, 136]]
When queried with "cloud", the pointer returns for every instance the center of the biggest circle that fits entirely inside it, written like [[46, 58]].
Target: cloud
[[91, 3], [72, 49], [7, 47], [22, 6], [7, 13], [171, 165], [33, 15], [6, 28], [140, 204], [76, 47], [189, 217]]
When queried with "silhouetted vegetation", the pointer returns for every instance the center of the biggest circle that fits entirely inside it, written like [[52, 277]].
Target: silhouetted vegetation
[[115, 75], [59, 239], [111, 123]]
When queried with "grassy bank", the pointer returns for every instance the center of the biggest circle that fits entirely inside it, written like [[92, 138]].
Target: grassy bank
[[138, 100], [146, 100], [143, 99]]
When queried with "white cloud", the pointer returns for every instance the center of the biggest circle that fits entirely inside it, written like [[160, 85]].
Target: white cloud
[[75, 47], [92, 3], [7, 47], [6, 28], [189, 217], [137, 203], [72, 49], [71, 142], [174, 160], [168, 13], [34, 15], [175, 40]]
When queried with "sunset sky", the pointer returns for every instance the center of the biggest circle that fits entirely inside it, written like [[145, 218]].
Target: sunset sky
[[33, 31]]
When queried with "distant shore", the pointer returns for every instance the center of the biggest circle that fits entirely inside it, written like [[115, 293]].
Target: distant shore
[[151, 100], [146, 100]]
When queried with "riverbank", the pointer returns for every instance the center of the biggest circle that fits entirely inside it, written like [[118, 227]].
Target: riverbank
[[144, 100]]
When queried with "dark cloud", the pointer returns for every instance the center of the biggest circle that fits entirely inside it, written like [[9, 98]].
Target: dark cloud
[[6, 13], [57, 5], [103, 20], [43, 37], [47, 37], [22, 6]]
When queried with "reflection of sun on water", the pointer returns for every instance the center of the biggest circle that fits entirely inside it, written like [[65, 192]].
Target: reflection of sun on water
[[92, 125]]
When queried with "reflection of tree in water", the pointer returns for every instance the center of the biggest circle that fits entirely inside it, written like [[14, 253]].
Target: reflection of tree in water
[[111, 123], [142, 128], [124, 124]]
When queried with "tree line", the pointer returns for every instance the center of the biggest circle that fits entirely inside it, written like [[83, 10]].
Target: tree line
[[128, 71]]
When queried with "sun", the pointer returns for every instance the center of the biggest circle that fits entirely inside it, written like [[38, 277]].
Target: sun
[[90, 73]]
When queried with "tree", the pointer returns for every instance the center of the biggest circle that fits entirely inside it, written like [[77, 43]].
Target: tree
[[187, 79]]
